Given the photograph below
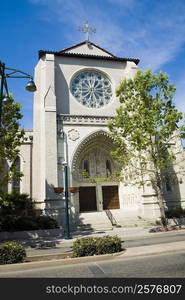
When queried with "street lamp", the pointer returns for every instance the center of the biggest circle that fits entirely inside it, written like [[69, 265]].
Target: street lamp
[[11, 73], [66, 193], [60, 190]]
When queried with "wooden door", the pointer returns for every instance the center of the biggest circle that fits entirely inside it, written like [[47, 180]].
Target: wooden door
[[87, 198], [110, 197]]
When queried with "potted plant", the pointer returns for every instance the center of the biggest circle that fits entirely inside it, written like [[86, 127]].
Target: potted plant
[[58, 190], [73, 189]]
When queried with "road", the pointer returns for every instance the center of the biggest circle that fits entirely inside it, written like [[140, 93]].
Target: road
[[169, 265]]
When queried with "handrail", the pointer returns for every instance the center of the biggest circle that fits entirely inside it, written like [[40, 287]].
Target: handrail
[[111, 217]]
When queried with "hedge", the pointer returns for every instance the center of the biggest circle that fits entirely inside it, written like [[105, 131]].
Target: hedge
[[89, 246], [11, 253], [20, 223]]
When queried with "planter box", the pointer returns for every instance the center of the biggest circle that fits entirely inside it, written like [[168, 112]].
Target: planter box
[[58, 190], [73, 189]]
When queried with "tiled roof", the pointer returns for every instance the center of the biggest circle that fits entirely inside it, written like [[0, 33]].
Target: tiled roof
[[91, 56], [114, 58]]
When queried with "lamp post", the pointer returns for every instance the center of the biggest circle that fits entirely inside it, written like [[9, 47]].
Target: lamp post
[[11, 73], [66, 193]]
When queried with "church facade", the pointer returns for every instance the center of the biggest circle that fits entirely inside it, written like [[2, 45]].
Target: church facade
[[75, 99]]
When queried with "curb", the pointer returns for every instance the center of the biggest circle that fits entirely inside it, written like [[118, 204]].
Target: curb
[[46, 257], [68, 256], [56, 262]]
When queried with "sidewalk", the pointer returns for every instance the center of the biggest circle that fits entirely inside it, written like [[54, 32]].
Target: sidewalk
[[53, 248]]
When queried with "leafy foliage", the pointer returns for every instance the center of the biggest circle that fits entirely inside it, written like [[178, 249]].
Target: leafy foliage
[[144, 128], [11, 138], [89, 246], [21, 223], [17, 213], [11, 253], [16, 204], [175, 212]]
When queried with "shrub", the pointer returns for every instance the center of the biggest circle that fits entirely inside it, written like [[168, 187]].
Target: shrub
[[89, 246], [16, 204], [162, 229], [11, 253], [175, 212], [18, 223], [46, 222], [17, 213], [7, 223], [21, 223]]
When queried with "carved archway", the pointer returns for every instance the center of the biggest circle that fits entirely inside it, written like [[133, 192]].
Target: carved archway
[[93, 157]]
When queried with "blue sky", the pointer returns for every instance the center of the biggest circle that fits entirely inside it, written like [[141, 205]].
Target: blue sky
[[151, 30]]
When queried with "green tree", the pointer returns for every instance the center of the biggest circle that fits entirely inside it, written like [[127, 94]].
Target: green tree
[[143, 128], [10, 140]]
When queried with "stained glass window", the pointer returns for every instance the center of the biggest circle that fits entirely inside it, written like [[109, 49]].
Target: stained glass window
[[92, 89]]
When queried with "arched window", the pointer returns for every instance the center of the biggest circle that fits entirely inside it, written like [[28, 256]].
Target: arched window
[[85, 168], [108, 168], [168, 185], [16, 181]]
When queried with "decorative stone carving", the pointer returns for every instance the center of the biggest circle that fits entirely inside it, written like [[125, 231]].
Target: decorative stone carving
[[78, 119], [60, 133], [73, 134], [92, 89], [95, 149]]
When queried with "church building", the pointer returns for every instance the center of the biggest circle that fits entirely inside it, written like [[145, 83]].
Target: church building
[[75, 99]]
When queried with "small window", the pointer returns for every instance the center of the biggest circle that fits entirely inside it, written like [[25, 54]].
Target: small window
[[85, 168], [168, 185], [108, 168], [16, 181]]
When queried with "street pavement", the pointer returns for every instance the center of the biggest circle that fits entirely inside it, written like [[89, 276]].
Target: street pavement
[[166, 264]]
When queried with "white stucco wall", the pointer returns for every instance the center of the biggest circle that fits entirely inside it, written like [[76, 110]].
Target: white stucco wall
[[25, 156], [68, 67]]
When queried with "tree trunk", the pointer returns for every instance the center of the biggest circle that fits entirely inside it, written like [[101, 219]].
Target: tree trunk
[[160, 198], [162, 208]]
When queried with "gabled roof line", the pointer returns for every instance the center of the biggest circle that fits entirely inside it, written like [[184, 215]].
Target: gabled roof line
[[83, 43]]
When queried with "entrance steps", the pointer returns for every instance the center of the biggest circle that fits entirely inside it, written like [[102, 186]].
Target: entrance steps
[[93, 221], [130, 218], [107, 220]]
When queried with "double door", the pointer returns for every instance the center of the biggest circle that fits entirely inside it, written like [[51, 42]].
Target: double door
[[88, 199]]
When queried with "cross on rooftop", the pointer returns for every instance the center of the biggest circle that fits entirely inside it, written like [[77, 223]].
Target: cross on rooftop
[[87, 30]]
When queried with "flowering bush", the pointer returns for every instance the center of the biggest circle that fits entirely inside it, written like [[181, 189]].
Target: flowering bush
[[167, 228]]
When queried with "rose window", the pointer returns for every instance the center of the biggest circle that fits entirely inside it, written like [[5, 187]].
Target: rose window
[[92, 89]]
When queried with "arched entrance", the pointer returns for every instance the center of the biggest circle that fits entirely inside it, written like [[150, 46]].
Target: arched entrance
[[94, 171]]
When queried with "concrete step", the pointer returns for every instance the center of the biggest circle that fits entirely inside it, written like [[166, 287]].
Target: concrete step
[[90, 221], [128, 218], [93, 221]]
